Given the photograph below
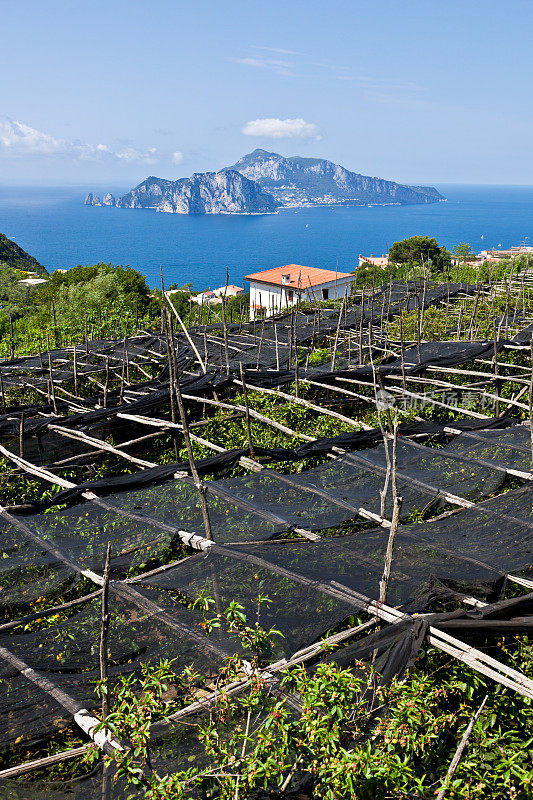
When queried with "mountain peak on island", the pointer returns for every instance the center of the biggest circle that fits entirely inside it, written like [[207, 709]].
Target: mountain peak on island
[[301, 181]]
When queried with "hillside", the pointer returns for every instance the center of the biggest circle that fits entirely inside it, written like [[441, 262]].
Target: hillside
[[298, 181], [17, 258]]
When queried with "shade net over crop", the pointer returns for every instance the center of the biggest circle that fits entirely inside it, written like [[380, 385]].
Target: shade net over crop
[[43, 554], [312, 587], [66, 654]]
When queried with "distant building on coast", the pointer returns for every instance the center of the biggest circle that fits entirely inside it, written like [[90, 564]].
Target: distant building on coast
[[274, 290], [479, 258], [511, 252], [377, 261], [214, 296], [228, 291]]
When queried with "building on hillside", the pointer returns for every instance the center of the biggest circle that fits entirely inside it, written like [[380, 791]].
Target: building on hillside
[[228, 291], [377, 261], [274, 290], [33, 281], [473, 260], [511, 252], [203, 297]]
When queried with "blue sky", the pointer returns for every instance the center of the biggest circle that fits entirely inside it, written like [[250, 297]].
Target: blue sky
[[106, 93]]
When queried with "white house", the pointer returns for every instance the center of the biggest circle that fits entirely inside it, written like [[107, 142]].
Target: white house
[[274, 290], [203, 297]]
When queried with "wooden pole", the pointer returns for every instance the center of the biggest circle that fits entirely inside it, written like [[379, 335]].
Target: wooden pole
[[12, 342], [21, 435], [531, 403], [460, 749], [496, 381], [104, 632], [260, 344], [171, 380], [194, 472], [122, 374], [334, 356], [402, 351], [52, 389], [226, 350], [247, 412], [397, 507], [106, 384], [2, 392], [75, 370]]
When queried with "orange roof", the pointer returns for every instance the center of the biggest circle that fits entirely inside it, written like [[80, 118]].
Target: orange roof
[[301, 277]]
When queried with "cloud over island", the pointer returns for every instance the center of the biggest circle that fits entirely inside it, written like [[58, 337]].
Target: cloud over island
[[275, 128]]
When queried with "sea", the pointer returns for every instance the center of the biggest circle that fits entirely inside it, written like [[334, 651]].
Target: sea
[[54, 225]]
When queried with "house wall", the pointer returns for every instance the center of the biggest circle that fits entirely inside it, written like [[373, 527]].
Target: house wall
[[277, 298]]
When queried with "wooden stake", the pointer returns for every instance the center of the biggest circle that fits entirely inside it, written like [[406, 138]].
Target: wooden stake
[[75, 368], [226, 351], [461, 748], [21, 435], [334, 356], [496, 381], [247, 413], [531, 403], [402, 350], [104, 632], [12, 344], [194, 472], [171, 380], [52, 389]]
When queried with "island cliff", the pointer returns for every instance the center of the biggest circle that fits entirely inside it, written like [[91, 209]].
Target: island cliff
[[226, 192]]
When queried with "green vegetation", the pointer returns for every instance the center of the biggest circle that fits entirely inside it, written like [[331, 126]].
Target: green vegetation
[[11, 255], [99, 300], [420, 251], [351, 737]]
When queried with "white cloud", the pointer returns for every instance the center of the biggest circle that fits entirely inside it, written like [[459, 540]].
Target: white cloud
[[177, 157], [280, 67], [274, 128], [18, 140], [277, 50]]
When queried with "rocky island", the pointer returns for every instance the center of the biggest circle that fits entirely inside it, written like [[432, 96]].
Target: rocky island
[[226, 192], [262, 182]]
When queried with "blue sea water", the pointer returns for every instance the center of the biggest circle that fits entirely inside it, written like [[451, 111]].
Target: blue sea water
[[56, 227]]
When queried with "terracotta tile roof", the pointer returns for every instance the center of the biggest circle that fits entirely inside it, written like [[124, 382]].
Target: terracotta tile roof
[[301, 277]]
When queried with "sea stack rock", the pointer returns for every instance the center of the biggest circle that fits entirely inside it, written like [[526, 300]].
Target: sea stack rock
[[108, 200], [92, 200]]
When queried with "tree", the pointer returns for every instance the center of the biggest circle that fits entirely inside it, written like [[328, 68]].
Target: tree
[[420, 251], [464, 252]]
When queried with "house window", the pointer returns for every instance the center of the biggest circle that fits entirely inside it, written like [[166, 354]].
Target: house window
[[325, 294], [291, 295]]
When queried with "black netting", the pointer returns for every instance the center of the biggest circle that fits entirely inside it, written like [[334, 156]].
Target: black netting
[[510, 449], [67, 655], [29, 572], [301, 612]]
